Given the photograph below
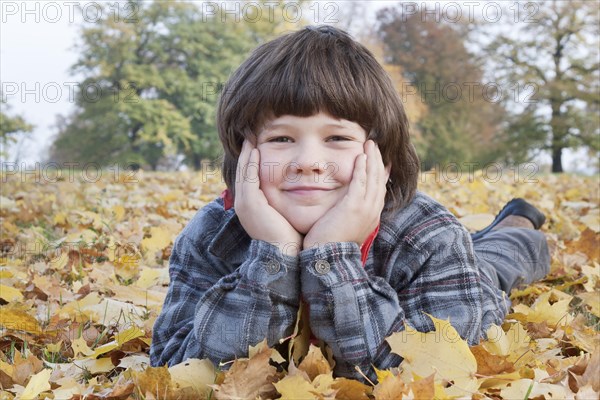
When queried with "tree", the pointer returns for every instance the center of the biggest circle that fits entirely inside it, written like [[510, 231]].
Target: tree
[[155, 81], [461, 124], [552, 54], [10, 127]]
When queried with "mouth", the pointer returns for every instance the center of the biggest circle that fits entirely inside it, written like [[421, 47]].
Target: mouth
[[308, 191]]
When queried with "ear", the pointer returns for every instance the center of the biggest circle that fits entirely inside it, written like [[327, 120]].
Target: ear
[[388, 170]]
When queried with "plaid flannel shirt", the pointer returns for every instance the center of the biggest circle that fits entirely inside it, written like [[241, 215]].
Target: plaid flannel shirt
[[228, 291]]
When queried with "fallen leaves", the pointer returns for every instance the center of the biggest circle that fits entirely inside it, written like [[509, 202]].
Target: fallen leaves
[[249, 378], [83, 275], [441, 352]]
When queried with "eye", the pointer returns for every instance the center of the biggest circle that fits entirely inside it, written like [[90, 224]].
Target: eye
[[280, 139], [338, 138]]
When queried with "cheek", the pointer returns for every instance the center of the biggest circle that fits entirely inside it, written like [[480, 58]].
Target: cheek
[[270, 171], [345, 168]]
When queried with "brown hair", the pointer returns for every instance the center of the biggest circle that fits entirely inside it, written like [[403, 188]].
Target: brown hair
[[312, 70]]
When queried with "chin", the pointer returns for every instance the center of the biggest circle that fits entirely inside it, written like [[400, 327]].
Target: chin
[[302, 225]]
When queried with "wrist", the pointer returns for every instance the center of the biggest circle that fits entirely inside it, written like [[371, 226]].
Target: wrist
[[289, 248]]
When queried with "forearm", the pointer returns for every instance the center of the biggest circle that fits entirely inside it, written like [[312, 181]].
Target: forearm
[[258, 300], [349, 310]]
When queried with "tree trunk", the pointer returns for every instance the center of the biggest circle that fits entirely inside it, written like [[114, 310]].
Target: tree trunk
[[557, 160], [197, 162]]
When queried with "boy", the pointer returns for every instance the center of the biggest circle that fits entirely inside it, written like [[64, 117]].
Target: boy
[[322, 206]]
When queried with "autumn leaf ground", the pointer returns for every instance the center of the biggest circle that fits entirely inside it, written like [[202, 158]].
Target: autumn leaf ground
[[83, 274]]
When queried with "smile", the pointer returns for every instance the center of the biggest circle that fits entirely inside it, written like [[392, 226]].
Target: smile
[[308, 192]]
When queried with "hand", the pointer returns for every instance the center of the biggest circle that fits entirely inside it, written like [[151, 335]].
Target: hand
[[259, 219], [358, 213]]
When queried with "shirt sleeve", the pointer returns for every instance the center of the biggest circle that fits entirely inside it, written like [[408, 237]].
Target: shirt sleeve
[[207, 316], [353, 312], [447, 285], [349, 310]]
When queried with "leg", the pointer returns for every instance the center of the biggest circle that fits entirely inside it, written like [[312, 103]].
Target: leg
[[515, 221], [510, 251], [511, 256]]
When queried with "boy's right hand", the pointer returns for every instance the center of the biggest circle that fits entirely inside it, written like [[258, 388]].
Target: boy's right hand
[[259, 219]]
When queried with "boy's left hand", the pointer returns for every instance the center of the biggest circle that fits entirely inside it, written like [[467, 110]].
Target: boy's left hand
[[358, 213]]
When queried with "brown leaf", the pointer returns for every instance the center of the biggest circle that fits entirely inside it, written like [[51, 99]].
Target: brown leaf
[[588, 243], [391, 388], [314, 364], [348, 389], [591, 375], [537, 330], [300, 339], [423, 389], [248, 378], [575, 372], [25, 367], [121, 391], [154, 382], [490, 364]]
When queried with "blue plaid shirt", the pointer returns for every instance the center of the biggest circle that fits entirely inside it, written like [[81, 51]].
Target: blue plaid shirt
[[228, 291]]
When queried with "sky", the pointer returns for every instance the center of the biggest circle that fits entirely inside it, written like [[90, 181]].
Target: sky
[[37, 41]]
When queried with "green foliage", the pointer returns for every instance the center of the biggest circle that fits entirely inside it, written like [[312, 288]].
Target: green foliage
[[154, 82], [461, 124], [557, 54], [10, 127]]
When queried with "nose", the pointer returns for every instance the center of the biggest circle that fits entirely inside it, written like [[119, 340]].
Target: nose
[[308, 159]]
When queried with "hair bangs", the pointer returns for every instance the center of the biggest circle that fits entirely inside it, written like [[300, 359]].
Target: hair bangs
[[318, 69]]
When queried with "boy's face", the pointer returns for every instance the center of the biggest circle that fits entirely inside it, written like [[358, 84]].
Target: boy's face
[[306, 164]]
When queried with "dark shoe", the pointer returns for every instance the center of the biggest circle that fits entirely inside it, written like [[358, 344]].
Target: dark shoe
[[515, 207]]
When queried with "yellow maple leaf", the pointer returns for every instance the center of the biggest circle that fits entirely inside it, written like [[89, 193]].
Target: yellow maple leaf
[[126, 266], [17, 319], [592, 300], [592, 276], [542, 310], [442, 352], [529, 389], [37, 384], [295, 387], [382, 374], [80, 347], [158, 240], [95, 366], [54, 347], [513, 344], [149, 277], [118, 211], [120, 339], [195, 374], [9, 294]]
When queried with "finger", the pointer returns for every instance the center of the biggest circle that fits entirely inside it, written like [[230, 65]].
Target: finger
[[242, 166], [373, 177], [382, 173], [358, 184], [252, 177], [385, 176]]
